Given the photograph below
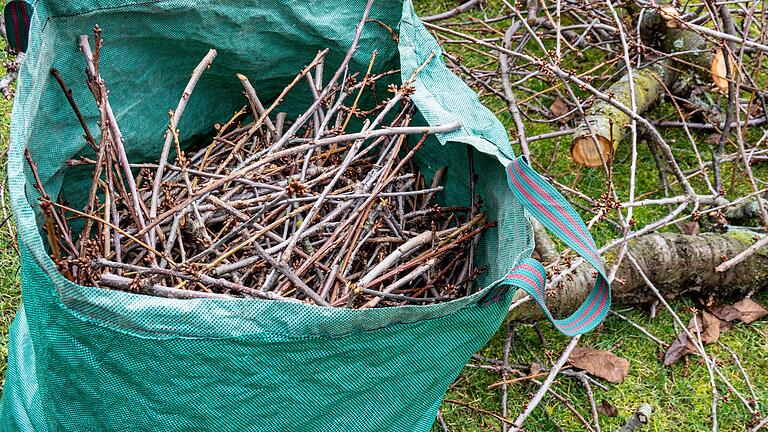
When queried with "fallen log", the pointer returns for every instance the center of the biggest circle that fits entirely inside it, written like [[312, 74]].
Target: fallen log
[[692, 52], [608, 123], [688, 51], [677, 264]]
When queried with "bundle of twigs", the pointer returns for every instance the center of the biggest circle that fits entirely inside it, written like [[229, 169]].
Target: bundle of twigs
[[275, 208]]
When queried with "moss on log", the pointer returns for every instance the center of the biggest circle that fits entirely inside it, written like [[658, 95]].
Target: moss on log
[[746, 211], [692, 52], [609, 123]]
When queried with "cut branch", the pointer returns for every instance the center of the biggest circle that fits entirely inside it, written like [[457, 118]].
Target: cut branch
[[677, 263], [609, 123], [690, 49]]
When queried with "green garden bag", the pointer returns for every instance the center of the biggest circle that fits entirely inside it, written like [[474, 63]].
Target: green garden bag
[[89, 359]]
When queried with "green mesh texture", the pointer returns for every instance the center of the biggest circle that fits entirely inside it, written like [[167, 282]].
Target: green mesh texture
[[87, 359]]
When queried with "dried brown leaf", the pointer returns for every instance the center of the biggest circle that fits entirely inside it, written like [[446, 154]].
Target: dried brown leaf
[[712, 139], [607, 409], [725, 326], [726, 313], [679, 348], [560, 109], [600, 363], [689, 228], [708, 326], [750, 310], [746, 311]]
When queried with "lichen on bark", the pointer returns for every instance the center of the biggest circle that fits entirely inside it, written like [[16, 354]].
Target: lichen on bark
[[677, 264], [610, 124]]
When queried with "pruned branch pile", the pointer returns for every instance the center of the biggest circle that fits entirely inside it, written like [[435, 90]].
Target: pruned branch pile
[[307, 209]]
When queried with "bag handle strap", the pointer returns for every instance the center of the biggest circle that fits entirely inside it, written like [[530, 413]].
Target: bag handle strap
[[546, 204], [17, 15]]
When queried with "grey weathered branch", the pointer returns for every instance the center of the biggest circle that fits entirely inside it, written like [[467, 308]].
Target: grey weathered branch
[[677, 264], [453, 12], [609, 123], [691, 51], [639, 418]]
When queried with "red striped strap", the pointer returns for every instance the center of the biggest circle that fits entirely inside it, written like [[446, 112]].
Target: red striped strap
[[545, 204], [17, 14]]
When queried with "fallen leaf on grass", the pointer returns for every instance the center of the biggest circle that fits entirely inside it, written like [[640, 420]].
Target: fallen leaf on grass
[[605, 408], [600, 363], [726, 313], [751, 310], [746, 311], [560, 110], [707, 325], [725, 326], [677, 349]]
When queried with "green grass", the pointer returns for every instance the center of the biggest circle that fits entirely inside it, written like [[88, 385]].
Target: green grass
[[10, 295], [680, 395]]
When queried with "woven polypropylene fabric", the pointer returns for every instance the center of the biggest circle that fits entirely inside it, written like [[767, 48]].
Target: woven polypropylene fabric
[[87, 359]]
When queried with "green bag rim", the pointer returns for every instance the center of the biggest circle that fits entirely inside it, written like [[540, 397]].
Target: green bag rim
[[100, 306]]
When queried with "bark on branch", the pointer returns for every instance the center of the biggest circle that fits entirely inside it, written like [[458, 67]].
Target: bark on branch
[[608, 123], [676, 263], [691, 51], [687, 50]]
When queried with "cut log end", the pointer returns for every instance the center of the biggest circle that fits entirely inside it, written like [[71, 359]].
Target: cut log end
[[609, 123], [718, 71], [585, 151], [671, 16]]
